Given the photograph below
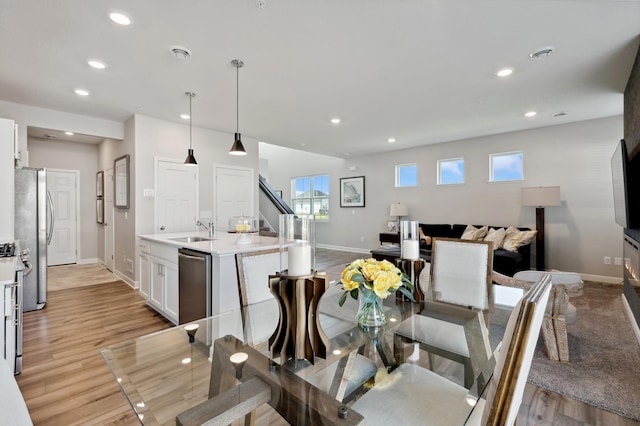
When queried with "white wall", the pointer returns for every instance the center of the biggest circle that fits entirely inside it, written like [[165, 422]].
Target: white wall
[[25, 116], [159, 138], [574, 156], [81, 157]]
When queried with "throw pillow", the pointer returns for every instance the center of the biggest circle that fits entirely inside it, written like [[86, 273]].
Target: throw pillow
[[425, 238], [473, 233], [517, 239], [496, 236]]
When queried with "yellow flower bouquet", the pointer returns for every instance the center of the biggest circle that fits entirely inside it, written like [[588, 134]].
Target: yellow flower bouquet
[[369, 281]]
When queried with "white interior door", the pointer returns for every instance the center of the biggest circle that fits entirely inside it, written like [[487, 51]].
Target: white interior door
[[108, 219], [176, 196], [62, 188], [234, 187]]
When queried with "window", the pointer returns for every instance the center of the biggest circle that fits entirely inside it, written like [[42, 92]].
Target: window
[[311, 196], [450, 171], [406, 175], [506, 166]]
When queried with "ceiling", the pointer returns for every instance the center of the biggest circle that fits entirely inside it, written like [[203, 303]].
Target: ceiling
[[420, 71]]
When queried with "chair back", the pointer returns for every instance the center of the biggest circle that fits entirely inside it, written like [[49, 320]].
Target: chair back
[[513, 362], [461, 272], [253, 269]]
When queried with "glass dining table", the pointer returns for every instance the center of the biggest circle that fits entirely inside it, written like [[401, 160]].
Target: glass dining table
[[181, 370]]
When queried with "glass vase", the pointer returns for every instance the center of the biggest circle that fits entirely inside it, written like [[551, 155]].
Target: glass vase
[[370, 309]]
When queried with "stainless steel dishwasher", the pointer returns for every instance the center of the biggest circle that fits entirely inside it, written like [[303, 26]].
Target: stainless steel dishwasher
[[194, 277]]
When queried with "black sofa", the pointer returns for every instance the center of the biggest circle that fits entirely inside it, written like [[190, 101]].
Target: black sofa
[[504, 261]]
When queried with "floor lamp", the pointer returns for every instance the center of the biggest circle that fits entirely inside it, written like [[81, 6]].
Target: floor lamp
[[540, 197]]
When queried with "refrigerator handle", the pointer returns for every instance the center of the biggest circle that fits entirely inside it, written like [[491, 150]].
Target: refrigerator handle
[[50, 204]]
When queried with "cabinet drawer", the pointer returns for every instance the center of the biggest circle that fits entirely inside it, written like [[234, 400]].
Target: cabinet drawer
[[144, 246], [165, 252]]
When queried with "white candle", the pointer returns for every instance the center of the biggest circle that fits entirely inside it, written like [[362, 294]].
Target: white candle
[[411, 249], [299, 259]]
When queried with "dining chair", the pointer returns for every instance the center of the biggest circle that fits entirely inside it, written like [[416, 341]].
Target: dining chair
[[414, 395], [461, 272], [460, 275], [338, 379]]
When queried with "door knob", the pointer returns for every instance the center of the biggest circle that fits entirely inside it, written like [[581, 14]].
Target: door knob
[[162, 228]]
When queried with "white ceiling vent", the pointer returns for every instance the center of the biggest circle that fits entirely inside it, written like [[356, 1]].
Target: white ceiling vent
[[542, 53], [180, 52]]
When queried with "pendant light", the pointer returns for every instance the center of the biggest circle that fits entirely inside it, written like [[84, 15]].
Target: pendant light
[[237, 148], [190, 160]]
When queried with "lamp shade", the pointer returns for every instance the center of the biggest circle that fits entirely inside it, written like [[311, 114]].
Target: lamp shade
[[541, 196], [398, 209]]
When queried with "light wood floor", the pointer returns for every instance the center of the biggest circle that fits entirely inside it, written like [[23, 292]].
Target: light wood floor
[[66, 382]]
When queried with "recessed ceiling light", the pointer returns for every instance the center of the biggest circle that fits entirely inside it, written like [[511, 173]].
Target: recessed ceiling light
[[48, 136], [530, 114], [68, 133], [391, 140], [335, 120], [542, 52], [560, 114], [99, 65], [120, 18], [504, 72], [185, 116], [347, 154], [82, 92], [180, 52]]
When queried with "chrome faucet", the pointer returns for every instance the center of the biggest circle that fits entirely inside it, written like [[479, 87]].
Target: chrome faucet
[[208, 227]]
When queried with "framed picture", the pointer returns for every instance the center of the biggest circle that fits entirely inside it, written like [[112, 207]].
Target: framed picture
[[100, 210], [121, 186], [392, 226], [99, 184], [352, 192]]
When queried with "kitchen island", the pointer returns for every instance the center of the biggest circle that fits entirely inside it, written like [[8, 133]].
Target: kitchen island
[[158, 267]]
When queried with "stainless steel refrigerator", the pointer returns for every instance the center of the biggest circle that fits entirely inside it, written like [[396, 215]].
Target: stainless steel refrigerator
[[33, 229]]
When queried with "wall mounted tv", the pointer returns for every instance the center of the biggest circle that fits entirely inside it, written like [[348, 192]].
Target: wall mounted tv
[[626, 200]]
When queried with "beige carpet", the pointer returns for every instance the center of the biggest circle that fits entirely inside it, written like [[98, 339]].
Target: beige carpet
[[73, 276]]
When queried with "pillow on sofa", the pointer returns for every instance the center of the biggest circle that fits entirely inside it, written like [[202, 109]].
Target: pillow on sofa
[[515, 238], [496, 236], [473, 233]]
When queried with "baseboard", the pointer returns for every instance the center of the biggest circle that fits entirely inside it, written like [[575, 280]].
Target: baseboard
[[632, 318], [89, 261], [601, 279], [132, 284], [341, 248]]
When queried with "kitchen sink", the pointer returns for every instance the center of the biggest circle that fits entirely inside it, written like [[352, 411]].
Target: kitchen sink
[[190, 239]]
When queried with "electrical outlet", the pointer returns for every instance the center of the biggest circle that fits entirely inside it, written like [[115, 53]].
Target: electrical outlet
[[362, 238], [617, 261], [607, 260], [129, 264]]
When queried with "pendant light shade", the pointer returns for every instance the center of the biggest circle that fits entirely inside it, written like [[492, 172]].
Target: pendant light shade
[[191, 159], [237, 148]]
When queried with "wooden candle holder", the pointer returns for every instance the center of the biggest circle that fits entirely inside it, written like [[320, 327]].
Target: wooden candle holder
[[298, 335], [412, 268]]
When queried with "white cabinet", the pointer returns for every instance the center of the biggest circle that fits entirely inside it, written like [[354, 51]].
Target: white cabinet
[[156, 291], [171, 301], [158, 265], [145, 279]]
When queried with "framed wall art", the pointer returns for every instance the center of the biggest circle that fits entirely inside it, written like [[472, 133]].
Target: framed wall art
[[99, 184], [100, 210], [121, 186], [352, 192]]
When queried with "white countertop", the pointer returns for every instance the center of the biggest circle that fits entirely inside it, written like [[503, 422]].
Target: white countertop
[[8, 269], [223, 242]]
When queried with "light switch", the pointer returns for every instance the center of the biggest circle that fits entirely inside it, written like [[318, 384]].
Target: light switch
[[149, 193]]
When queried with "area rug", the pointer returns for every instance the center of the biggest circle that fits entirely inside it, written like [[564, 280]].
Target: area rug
[[604, 367]]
